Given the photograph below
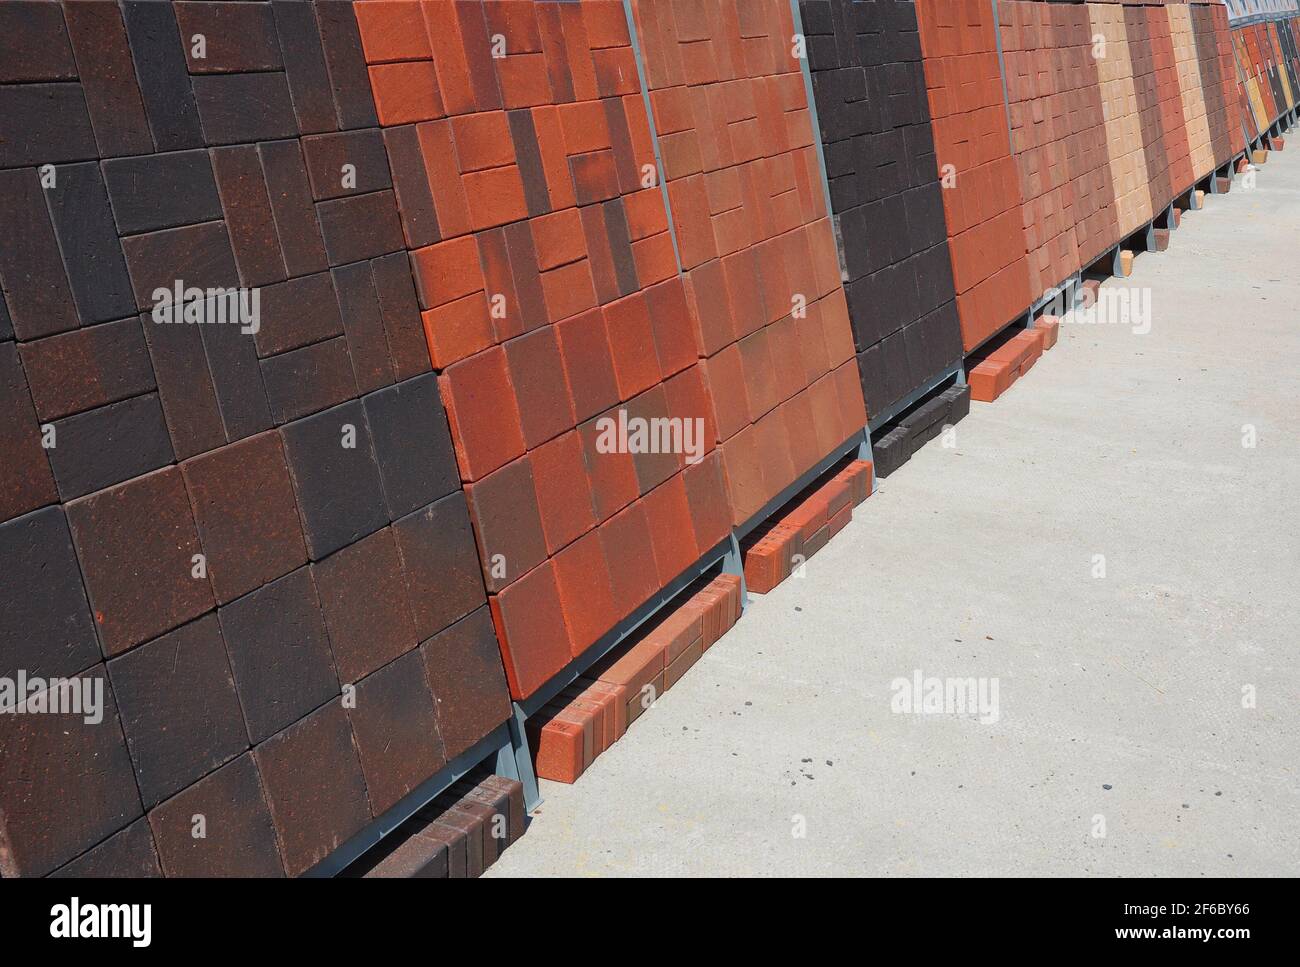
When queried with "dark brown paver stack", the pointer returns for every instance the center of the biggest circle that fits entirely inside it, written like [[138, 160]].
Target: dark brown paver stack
[[254, 544]]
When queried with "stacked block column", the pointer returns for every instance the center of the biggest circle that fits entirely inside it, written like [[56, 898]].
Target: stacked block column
[[234, 524], [747, 200], [869, 87]]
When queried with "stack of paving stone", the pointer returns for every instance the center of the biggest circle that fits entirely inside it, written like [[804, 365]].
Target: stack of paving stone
[[981, 197], [1003, 360], [1137, 27], [1222, 119], [1173, 123], [874, 118], [1058, 136], [553, 308], [251, 537], [1191, 89], [803, 526], [1125, 151], [748, 206], [365, 365]]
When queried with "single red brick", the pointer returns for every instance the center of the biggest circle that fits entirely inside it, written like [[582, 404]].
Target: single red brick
[[550, 143], [774, 279], [447, 271], [523, 76], [612, 474], [826, 414], [615, 71], [826, 261], [568, 290], [638, 129], [688, 400], [606, 23], [507, 523], [674, 327], [600, 256], [558, 238], [745, 292], [838, 332], [542, 392], [656, 445], [449, 54], [787, 357], [630, 552], [588, 363], [556, 746], [584, 127], [744, 469], [458, 329], [706, 287], [632, 342], [392, 30], [564, 492], [655, 259], [671, 531], [594, 175], [853, 407], [760, 374], [496, 196], [646, 215], [724, 377], [482, 412], [690, 209], [530, 626], [449, 199], [773, 441], [406, 92], [706, 491], [675, 669], [810, 330], [482, 141], [586, 593], [578, 51]]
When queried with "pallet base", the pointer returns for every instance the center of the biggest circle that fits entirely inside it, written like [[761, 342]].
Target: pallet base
[[897, 443], [495, 749], [996, 372]]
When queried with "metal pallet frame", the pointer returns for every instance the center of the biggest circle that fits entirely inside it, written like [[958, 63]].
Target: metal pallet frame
[[956, 372], [498, 742]]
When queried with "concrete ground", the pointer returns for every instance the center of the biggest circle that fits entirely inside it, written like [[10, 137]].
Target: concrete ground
[[1123, 701]]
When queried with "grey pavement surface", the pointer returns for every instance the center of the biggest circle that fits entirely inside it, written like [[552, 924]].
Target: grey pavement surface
[[1124, 701]]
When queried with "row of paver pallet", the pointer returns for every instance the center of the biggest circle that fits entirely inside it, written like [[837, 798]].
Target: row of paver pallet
[[373, 370]]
